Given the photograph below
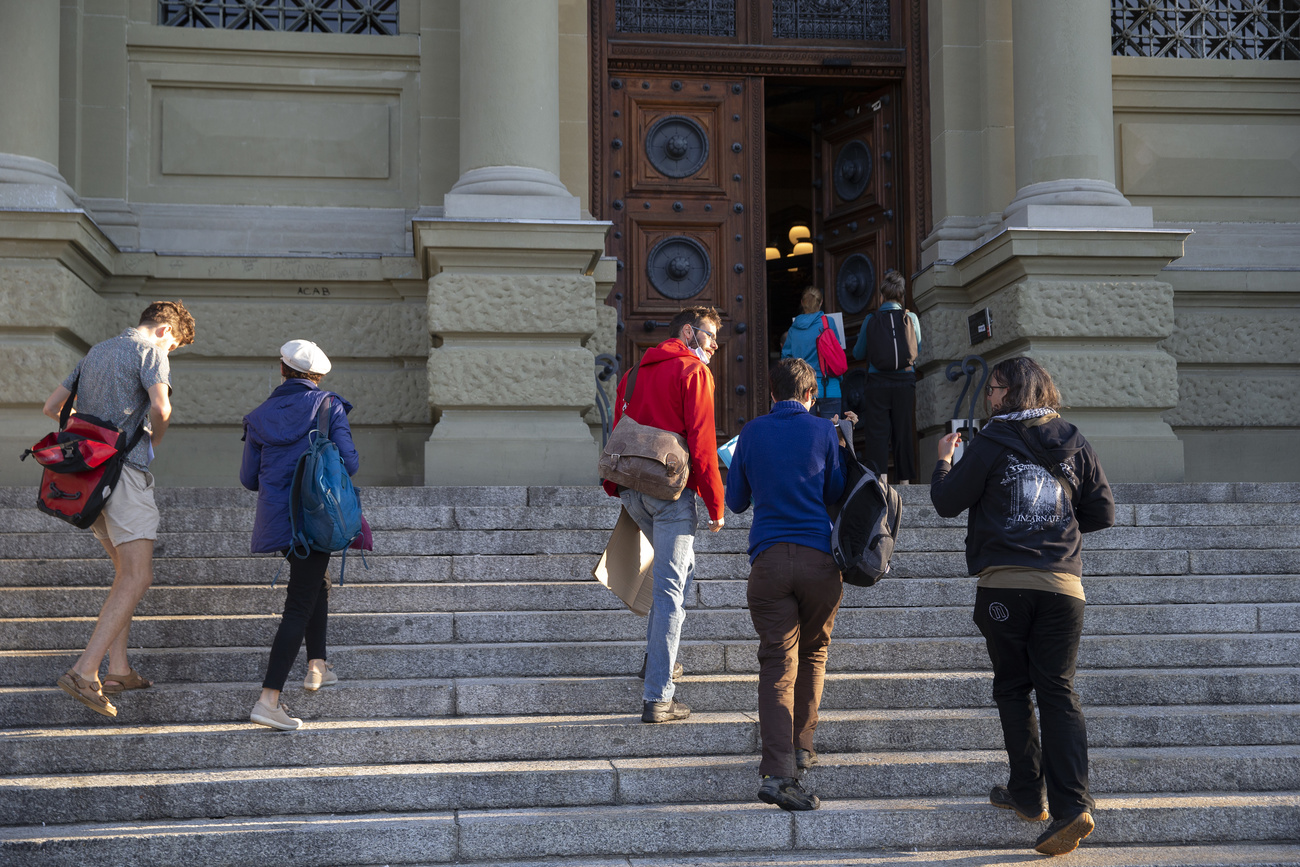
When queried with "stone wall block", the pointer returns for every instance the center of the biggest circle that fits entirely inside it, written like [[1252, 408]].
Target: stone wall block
[[935, 397], [511, 377], [1059, 308], [205, 393], [44, 295], [1229, 398], [344, 329], [945, 336], [512, 304], [1235, 335], [33, 369], [1099, 379]]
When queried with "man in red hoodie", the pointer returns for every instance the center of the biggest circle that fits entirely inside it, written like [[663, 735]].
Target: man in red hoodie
[[673, 391]]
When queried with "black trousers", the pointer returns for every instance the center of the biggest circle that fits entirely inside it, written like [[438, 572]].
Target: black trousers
[[1033, 641], [306, 614], [887, 406]]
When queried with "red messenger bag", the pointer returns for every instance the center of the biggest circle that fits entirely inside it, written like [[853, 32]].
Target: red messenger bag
[[83, 462]]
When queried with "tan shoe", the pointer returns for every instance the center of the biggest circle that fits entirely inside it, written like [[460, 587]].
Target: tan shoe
[[315, 679], [275, 718]]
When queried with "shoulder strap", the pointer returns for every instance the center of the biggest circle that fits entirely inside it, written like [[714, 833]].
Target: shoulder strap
[[631, 381], [66, 412], [323, 417]]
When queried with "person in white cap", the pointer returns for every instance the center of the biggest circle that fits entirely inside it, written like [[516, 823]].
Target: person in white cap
[[275, 436]]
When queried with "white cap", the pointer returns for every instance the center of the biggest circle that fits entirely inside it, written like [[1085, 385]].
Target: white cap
[[305, 357]]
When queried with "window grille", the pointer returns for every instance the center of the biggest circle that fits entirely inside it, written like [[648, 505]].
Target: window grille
[[303, 16], [688, 17], [1220, 29], [862, 20]]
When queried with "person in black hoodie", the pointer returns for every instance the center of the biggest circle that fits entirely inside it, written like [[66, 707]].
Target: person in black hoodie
[[1032, 485]]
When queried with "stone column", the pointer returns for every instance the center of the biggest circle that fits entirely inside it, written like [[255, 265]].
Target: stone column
[[510, 113], [1065, 148], [29, 108], [1071, 276]]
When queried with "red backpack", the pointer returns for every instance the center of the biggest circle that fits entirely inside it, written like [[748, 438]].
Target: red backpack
[[83, 461], [830, 355]]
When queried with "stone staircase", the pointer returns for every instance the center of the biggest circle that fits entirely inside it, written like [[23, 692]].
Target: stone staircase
[[488, 710]]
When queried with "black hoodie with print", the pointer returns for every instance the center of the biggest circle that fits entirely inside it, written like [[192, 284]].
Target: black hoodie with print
[[1020, 515]]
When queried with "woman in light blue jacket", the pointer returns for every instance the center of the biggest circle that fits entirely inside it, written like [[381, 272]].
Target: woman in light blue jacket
[[801, 342]]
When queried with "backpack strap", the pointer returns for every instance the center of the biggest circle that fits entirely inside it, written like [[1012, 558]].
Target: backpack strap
[[323, 417], [66, 412]]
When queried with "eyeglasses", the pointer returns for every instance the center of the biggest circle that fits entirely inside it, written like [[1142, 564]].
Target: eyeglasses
[[988, 391], [709, 334]]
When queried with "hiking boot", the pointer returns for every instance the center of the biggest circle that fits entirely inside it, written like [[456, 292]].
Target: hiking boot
[[1063, 835], [805, 759], [1001, 797], [786, 793], [663, 711], [677, 669], [275, 718]]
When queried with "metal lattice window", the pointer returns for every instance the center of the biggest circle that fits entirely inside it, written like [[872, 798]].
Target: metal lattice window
[[862, 20], [1220, 29], [303, 16], [688, 17]]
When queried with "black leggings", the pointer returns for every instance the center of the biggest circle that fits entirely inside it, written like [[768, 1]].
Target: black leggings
[[306, 612]]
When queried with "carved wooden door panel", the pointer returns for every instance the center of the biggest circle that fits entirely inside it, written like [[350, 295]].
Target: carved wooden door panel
[[855, 194], [683, 183]]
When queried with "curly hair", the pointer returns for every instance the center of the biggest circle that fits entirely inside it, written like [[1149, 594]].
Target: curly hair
[[171, 313], [692, 316]]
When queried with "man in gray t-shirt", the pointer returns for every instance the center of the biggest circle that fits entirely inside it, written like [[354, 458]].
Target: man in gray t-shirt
[[125, 381]]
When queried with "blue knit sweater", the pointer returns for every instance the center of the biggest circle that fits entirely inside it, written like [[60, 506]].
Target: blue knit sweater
[[787, 464]]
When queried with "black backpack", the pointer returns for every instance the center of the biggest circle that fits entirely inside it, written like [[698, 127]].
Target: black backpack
[[866, 521], [891, 340]]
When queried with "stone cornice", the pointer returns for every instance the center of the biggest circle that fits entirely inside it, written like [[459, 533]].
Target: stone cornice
[[505, 246], [70, 237]]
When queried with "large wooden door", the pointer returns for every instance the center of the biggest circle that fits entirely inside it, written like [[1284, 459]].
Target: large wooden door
[[855, 200], [683, 183]]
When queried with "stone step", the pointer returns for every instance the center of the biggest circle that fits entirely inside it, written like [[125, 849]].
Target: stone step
[[587, 594], [238, 519], [131, 749], [709, 828], [496, 627], [1206, 855], [398, 788], [25, 706], [592, 541], [184, 664], [917, 496], [92, 570]]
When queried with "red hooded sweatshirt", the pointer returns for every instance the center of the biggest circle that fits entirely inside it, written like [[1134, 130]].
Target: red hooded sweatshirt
[[674, 392]]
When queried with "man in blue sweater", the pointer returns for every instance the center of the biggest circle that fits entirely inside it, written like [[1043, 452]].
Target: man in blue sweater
[[787, 464]]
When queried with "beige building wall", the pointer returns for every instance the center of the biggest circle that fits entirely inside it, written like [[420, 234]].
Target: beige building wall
[[268, 179], [1212, 148]]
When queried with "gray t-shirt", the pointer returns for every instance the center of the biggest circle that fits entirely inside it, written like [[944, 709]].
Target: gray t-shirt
[[115, 378]]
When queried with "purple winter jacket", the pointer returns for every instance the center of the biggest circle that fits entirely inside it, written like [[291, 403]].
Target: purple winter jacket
[[275, 436]]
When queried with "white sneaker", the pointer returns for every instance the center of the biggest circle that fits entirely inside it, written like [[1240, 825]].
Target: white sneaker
[[315, 679], [276, 718]]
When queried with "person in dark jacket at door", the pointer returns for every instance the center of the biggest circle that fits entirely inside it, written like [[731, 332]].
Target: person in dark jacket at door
[[1032, 485], [276, 434], [890, 397]]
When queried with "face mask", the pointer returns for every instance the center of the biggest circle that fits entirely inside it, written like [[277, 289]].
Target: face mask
[[696, 349]]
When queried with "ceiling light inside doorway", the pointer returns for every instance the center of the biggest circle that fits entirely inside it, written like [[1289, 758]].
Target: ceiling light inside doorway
[[773, 253], [799, 233], [803, 248]]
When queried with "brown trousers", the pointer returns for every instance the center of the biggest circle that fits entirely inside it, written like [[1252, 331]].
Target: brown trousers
[[793, 594]]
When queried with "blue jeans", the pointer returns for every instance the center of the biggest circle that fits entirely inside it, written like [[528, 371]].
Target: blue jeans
[[670, 526]]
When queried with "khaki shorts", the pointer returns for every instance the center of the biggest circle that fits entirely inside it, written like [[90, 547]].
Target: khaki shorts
[[130, 512]]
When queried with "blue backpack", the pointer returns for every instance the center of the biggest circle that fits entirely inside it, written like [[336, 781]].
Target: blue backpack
[[324, 509]]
